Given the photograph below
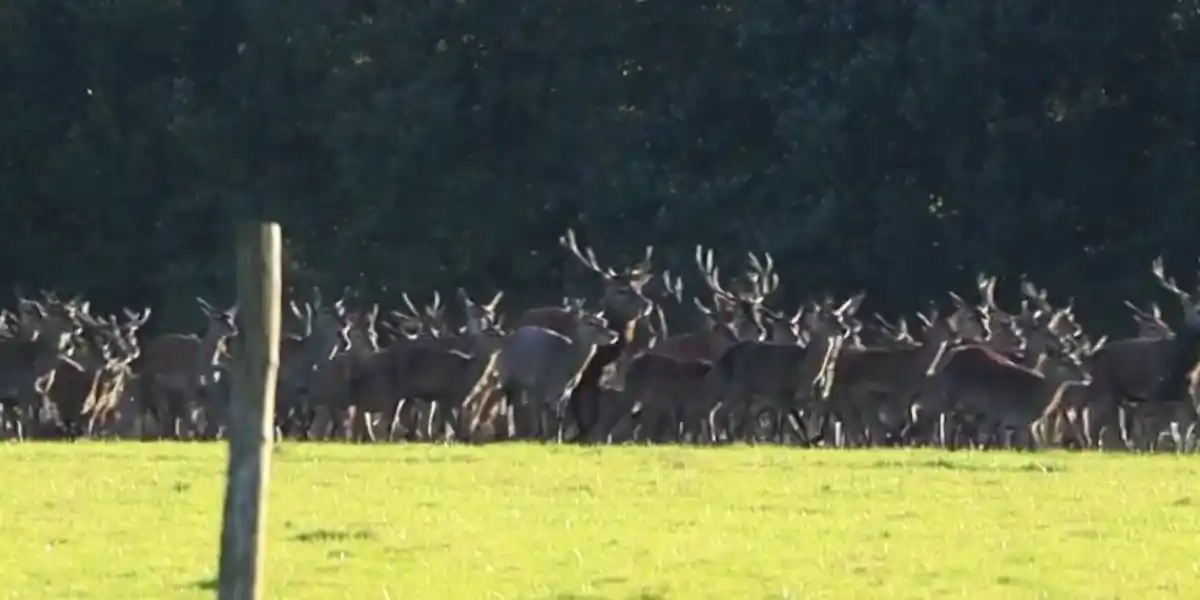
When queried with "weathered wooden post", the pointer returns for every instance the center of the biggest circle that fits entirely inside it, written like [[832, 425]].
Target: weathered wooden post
[[251, 411]]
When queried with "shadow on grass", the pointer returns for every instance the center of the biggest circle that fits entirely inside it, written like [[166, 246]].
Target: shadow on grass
[[333, 535]]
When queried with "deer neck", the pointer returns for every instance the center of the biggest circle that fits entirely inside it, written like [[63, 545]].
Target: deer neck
[[931, 356], [817, 365], [46, 354], [212, 346]]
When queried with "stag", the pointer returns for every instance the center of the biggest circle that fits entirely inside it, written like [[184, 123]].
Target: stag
[[30, 354], [88, 385], [981, 384], [1140, 371], [448, 372], [784, 374], [877, 381], [176, 368], [623, 304], [540, 368]]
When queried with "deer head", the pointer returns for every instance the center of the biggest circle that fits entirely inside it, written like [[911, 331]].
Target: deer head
[[623, 295], [1191, 309]]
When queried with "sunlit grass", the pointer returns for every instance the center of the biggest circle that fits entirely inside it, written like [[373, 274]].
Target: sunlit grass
[[109, 521]]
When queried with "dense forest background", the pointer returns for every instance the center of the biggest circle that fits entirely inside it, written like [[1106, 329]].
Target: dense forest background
[[895, 147]]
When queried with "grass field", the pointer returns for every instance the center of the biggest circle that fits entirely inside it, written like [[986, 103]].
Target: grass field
[[141, 521]]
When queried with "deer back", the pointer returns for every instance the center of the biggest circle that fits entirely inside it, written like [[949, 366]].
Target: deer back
[[1131, 368], [554, 318], [171, 354], [662, 382], [530, 351]]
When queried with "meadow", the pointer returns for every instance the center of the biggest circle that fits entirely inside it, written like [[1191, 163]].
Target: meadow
[[130, 520]]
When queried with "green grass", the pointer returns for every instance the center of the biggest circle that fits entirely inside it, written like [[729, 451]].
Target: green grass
[[141, 521]]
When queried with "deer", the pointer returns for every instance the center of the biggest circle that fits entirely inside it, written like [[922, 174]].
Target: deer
[[1142, 373], [29, 356], [979, 382], [623, 304], [175, 369], [540, 368], [683, 361], [319, 334], [874, 380], [88, 384], [442, 371], [732, 317], [1150, 324], [784, 374], [1060, 421]]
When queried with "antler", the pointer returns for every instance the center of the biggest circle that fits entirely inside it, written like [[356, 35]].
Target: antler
[[1139, 313], [589, 258], [987, 290], [643, 266], [712, 275], [1167, 283], [764, 278], [673, 287]]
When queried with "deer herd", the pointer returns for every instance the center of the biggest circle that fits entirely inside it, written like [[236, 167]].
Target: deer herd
[[972, 373]]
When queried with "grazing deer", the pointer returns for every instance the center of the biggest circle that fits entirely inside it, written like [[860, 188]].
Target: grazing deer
[[175, 368], [540, 368], [623, 303], [1142, 373], [784, 374]]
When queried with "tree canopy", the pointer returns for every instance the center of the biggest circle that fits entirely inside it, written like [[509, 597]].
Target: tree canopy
[[893, 147]]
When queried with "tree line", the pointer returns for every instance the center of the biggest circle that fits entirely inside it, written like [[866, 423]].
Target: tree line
[[892, 147]]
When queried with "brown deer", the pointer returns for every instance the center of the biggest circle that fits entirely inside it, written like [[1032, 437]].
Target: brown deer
[[623, 304], [540, 368], [176, 367], [872, 381], [447, 372], [1142, 373], [1150, 324], [29, 356], [1060, 422], [733, 317], [88, 385], [783, 374], [980, 383]]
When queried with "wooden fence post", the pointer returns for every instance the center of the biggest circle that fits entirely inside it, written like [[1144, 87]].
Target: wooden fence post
[[251, 411]]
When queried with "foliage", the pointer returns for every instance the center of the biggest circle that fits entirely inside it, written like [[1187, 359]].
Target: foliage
[[894, 147]]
